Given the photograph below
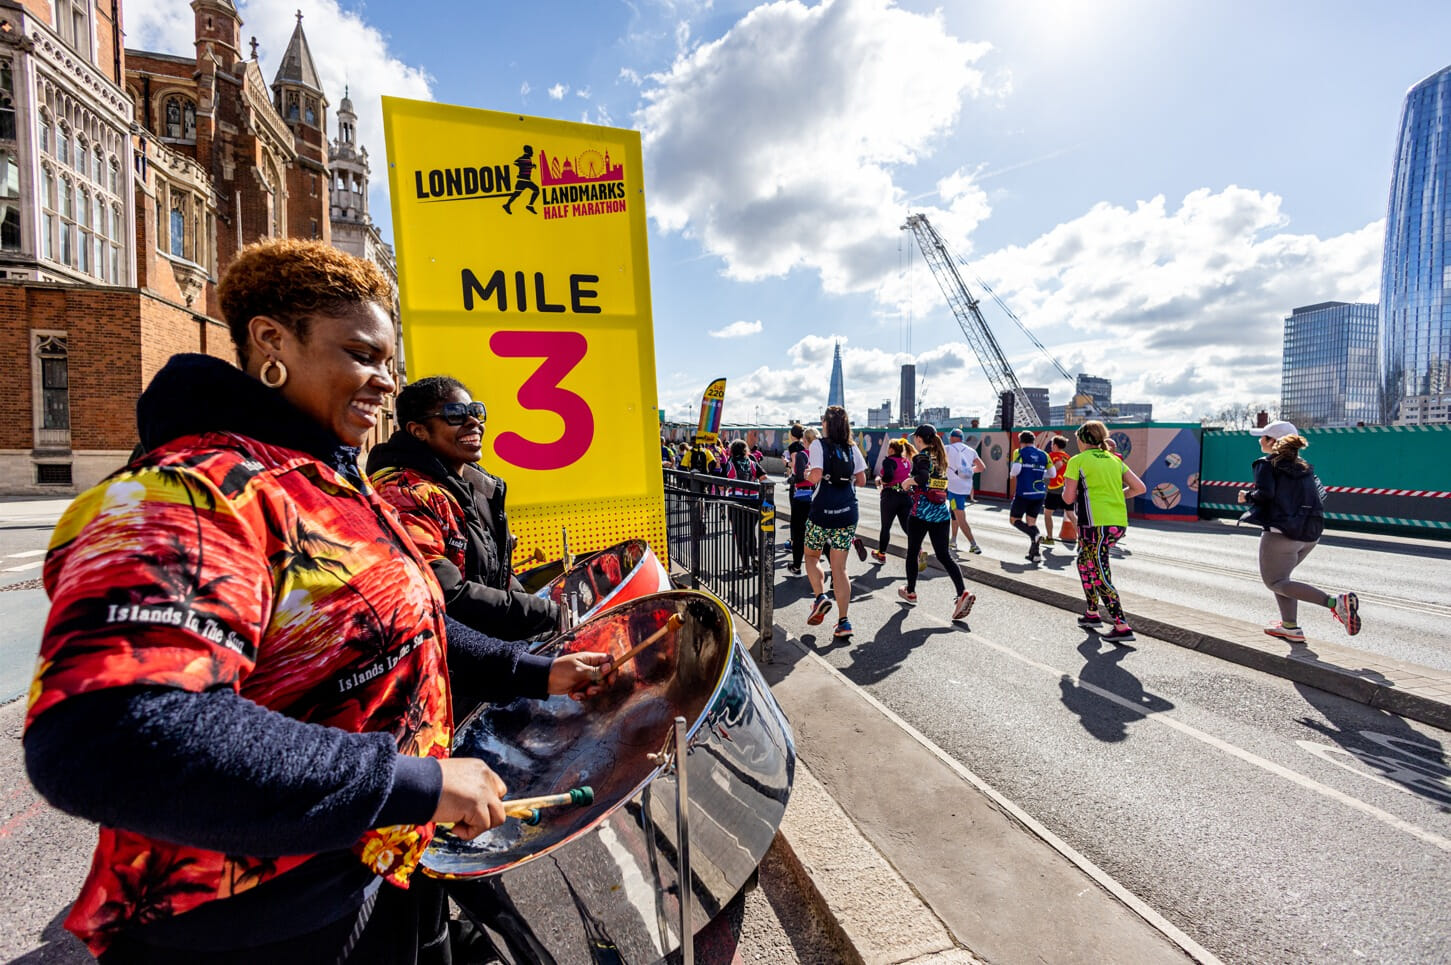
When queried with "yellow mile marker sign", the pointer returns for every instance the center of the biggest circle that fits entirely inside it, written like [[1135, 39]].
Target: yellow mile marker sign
[[523, 273]]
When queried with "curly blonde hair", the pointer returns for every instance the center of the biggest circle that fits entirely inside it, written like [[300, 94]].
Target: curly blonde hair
[[289, 279]]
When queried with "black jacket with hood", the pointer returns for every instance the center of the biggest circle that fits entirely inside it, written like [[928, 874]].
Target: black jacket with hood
[[484, 594], [1286, 498]]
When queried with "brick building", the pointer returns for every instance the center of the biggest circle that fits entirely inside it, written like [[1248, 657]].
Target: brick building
[[131, 179]]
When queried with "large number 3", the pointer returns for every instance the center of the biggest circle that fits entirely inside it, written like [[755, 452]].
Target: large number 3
[[561, 351]]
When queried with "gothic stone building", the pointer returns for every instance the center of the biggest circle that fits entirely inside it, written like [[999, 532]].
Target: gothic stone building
[[131, 179]]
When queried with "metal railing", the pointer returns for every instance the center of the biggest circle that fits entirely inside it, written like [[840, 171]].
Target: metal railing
[[723, 533]]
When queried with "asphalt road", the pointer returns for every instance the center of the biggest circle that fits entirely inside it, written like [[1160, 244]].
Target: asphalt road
[[1213, 565], [1271, 822]]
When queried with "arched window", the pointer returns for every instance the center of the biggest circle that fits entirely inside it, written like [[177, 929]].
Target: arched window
[[115, 175], [311, 114], [178, 225], [171, 110], [47, 131], [292, 111], [63, 143], [99, 157], [47, 219], [67, 221], [10, 206], [188, 121], [83, 219], [83, 155], [7, 101]]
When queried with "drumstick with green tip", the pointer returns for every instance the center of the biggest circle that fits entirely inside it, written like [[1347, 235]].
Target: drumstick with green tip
[[527, 809], [609, 666]]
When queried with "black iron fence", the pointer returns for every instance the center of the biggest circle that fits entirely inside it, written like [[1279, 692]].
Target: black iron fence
[[723, 533]]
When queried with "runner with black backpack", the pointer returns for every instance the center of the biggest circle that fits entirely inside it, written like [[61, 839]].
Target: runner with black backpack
[[799, 489], [1287, 502], [740, 466], [835, 467]]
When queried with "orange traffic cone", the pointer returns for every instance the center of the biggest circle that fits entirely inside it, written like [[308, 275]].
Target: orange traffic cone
[[1067, 532]]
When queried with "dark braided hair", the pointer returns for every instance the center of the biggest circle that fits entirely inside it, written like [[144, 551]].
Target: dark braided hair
[[419, 399]]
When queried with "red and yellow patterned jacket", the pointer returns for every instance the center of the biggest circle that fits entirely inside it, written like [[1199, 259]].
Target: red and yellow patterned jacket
[[223, 561]]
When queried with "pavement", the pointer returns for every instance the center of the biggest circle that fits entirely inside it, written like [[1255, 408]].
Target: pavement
[[913, 859]]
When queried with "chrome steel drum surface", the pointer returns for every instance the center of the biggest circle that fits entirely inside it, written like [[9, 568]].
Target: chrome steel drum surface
[[601, 580], [608, 874]]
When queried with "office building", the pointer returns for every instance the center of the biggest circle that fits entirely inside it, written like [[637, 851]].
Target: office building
[[907, 402], [1099, 391], [1330, 372], [880, 417], [1416, 270]]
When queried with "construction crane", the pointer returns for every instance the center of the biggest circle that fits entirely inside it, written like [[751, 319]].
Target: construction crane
[[974, 327]]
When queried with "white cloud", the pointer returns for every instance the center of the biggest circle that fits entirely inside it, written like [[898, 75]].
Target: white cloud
[[1183, 307], [348, 53], [524, 89], [583, 93], [630, 76], [738, 329], [775, 145], [558, 91]]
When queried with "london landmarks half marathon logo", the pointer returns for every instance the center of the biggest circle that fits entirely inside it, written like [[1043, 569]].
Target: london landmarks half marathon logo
[[583, 186]]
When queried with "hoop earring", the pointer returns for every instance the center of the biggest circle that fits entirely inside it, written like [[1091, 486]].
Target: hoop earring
[[281, 374]]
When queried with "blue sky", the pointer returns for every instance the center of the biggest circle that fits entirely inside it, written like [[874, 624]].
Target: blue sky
[[1151, 186]]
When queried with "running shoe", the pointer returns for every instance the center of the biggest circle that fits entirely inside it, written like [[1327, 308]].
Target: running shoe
[[1090, 619], [906, 594], [879, 556], [819, 609], [1292, 634], [963, 606], [1347, 611], [1049, 541], [975, 549], [1121, 633], [1033, 552], [793, 569], [843, 628], [861, 548]]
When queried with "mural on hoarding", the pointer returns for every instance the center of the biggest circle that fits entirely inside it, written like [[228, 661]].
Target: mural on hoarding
[[1164, 456]]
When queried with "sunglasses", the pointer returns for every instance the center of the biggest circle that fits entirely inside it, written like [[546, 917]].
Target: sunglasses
[[454, 413]]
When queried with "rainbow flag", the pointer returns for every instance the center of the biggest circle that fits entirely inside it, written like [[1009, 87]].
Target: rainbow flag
[[711, 404]]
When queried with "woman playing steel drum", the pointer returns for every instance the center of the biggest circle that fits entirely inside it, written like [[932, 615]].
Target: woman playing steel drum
[[243, 678]]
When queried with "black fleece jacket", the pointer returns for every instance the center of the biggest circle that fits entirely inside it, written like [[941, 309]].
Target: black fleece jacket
[[258, 782], [484, 594]]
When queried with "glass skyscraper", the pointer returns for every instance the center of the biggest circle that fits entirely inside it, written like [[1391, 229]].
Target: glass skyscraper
[[1330, 372], [1416, 273], [836, 392]]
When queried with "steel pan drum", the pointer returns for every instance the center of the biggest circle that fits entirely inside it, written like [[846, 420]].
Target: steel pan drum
[[604, 879], [601, 580]]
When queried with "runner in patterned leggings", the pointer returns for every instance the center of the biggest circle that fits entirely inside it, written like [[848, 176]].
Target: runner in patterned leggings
[[1098, 486]]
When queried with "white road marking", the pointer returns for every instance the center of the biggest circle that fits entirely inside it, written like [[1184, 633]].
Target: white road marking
[[1294, 777], [1136, 904], [23, 566], [16, 556]]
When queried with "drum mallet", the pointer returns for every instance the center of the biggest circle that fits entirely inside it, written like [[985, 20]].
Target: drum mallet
[[527, 809], [610, 665]]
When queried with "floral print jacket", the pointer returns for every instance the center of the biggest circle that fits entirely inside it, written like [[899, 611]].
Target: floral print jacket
[[221, 561]]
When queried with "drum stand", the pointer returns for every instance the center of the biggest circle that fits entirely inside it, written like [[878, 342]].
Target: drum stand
[[682, 846]]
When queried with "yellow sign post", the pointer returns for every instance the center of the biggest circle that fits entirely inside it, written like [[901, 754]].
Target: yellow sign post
[[523, 272]]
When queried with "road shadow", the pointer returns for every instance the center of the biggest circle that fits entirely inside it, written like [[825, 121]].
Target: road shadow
[[60, 948], [1378, 745], [878, 656], [1107, 719]]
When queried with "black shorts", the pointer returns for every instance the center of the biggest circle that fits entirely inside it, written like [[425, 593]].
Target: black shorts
[[1055, 502], [1025, 507]]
